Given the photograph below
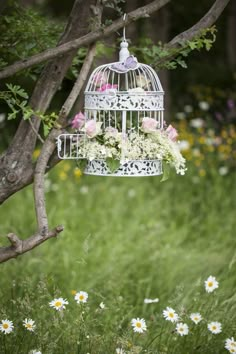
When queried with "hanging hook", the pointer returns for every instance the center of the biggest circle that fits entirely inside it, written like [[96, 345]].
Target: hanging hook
[[124, 38]]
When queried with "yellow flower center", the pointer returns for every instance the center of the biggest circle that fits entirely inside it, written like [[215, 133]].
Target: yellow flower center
[[138, 324], [213, 328], [171, 314], [81, 297], [5, 325], [210, 283], [58, 304], [181, 329], [195, 318], [28, 325]]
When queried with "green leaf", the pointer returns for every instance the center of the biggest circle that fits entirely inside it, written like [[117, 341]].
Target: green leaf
[[81, 164], [112, 164], [46, 130], [166, 172]]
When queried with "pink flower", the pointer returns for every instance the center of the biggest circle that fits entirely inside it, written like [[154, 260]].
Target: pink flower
[[78, 121], [92, 128], [149, 125], [100, 78], [106, 87], [172, 133]]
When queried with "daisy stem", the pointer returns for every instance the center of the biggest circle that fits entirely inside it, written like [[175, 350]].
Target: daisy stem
[[5, 347], [153, 339], [21, 341]]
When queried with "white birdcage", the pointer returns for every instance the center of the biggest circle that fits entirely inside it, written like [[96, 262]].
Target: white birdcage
[[123, 103]]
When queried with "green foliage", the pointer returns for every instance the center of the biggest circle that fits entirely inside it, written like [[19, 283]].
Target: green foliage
[[115, 5], [25, 32], [162, 57], [13, 98], [112, 164]]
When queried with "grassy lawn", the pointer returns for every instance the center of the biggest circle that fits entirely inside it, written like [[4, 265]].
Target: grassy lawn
[[125, 239]]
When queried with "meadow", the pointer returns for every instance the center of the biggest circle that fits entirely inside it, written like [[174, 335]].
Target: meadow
[[125, 239]]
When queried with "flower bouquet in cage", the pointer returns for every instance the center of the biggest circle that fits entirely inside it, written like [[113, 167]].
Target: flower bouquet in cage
[[122, 130]]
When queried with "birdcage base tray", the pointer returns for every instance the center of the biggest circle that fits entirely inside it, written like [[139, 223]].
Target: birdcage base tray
[[134, 168]]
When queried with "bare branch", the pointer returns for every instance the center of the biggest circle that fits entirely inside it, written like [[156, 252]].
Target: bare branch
[[19, 246], [89, 38]]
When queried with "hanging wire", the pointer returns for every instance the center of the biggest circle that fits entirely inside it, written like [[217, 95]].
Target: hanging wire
[[124, 38]]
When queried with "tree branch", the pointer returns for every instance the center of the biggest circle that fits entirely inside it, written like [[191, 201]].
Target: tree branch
[[19, 246], [89, 38]]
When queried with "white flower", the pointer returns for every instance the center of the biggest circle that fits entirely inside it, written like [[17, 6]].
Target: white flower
[[58, 304], [223, 170], [196, 317], [81, 296], [203, 105], [120, 351], [230, 344], [102, 305], [6, 326], [2, 117], [197, 123], [188, 108], [29, 324], [35, 351], [182, 329], [84, 190], [136, 90], [183, 145], [180, 115], [211, 284], [170, 315], [142, 81], [139, 325], [214, 327], [151, 301]]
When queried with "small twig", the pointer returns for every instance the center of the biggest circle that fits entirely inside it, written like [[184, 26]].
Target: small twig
[[35, 131]]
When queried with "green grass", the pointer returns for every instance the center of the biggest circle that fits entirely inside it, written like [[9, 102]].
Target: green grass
[[126, 239]]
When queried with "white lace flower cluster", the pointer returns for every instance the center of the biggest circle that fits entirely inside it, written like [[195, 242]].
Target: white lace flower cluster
[[148, 143]]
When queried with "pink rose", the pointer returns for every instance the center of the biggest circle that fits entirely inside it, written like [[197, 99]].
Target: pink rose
[[92, 128], [100, 79], [106, 87], [149, 125], [78, 121], [172, 133]]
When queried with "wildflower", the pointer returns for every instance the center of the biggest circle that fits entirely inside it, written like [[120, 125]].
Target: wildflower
[[78, 121], [73, 292], [29, 325], [170, 315], [77, 173], [180, 115], [151, 301], [184, 145], [204, 106], [171, 133], [58, 304], [197, 123], [214, 327], [223, 170], [230, 344], [211, 284], [6, 326], [196, 317], [35, 351], [149, 125], [102, 305], [182, 329], [81, 296], [139, 325], [84, 190], [120, 351]]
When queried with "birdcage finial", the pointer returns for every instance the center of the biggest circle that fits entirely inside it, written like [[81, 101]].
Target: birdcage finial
[[124, 52]]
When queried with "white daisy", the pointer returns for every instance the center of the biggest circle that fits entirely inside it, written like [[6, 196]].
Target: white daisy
[[58, 304], [214, 327], [196, 317], [182, 329], [151, 301], [102, 305], [120, 351], [29, 324], [170, 315], [211, 284], [6, 326], [81, 296], [35, 351], [203, 105], [139, 325], [230, 344]]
